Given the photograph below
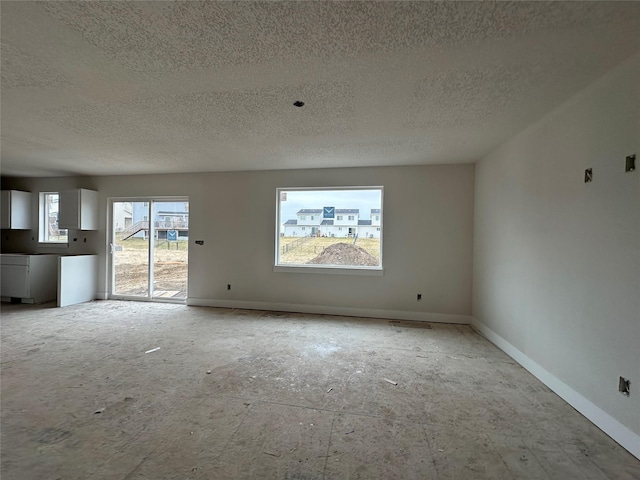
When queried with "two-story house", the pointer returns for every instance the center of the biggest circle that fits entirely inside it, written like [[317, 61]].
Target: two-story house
[[345, 223]]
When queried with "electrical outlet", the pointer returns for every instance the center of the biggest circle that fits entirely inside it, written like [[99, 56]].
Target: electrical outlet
[[588, 175], [419, 297], [630, 163], [623, 386], [228, 286]]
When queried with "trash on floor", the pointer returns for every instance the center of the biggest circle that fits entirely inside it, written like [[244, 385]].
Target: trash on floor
[[390, 381], [153, 350]]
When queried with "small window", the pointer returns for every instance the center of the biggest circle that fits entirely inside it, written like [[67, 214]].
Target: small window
[[49, 213], [329, 247], [303, 217]]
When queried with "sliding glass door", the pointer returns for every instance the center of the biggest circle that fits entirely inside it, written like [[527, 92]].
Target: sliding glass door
[[170, 249], [149, 248]]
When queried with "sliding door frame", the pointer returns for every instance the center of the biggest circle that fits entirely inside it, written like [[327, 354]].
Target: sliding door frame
[[111, 241]]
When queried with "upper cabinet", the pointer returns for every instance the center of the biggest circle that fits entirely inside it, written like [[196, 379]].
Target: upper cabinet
[[15, 210], [78, 209]]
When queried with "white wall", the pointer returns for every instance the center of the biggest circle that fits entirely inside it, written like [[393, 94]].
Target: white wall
[[557, 261], [234, 213]]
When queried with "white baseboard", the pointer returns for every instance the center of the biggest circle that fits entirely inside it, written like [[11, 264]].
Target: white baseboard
[[612, 427], [331, 310]]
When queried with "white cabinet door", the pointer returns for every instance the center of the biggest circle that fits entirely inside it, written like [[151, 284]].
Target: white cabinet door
[[78, 209], [69, 213], [15, 281], [15, 211]]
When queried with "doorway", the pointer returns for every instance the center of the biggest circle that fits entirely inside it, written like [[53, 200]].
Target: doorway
[[149, 249]]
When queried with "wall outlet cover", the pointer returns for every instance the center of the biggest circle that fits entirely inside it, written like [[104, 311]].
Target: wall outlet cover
[[624, 385]]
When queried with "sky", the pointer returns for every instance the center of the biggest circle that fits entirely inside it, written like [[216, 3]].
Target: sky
[[364, 200]]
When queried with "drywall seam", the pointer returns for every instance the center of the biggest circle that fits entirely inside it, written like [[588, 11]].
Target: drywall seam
[[601, 419], [331, 310]]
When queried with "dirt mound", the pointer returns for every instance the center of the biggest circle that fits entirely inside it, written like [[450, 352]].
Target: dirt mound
[[344, 254]]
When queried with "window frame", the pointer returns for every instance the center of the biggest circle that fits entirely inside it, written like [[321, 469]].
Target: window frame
[[43, 223], [326, 269]]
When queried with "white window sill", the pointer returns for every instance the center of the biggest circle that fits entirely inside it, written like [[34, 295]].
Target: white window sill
[[376, 271]]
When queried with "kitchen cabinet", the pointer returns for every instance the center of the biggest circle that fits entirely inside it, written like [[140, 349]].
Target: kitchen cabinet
[[31, 278], [15, 210], [78, 209]]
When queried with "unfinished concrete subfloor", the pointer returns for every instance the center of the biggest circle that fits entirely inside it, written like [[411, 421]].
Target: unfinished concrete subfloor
[[247, 394]]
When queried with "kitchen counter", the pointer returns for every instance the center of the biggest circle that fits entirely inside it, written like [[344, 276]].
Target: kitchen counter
[[31, 278], [45, 277]]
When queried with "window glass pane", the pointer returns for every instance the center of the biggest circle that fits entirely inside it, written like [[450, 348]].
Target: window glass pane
[[49, 215], [330, 227]]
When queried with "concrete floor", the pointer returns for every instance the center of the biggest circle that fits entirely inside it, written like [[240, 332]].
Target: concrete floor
[[288, 396]]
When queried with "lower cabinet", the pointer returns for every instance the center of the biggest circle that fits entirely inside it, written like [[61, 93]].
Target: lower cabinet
[[30, 278]]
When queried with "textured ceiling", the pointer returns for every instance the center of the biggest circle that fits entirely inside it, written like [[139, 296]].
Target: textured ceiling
[[156, 87]]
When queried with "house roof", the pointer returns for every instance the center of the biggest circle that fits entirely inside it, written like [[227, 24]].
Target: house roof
[[364, 223], [347, 210], [309, 210], [327, 222], [375, 210], [291, 222], [116, 88]]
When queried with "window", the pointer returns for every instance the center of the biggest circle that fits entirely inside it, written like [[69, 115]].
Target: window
[[48, 223], [303, 217], [312, 217], [328, 248]]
